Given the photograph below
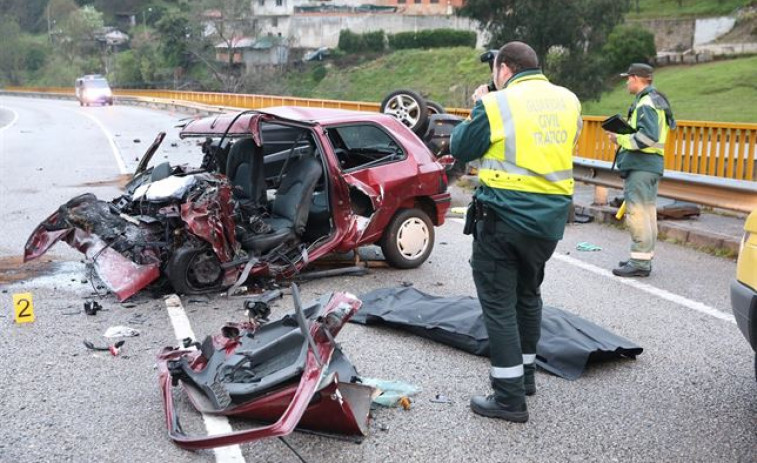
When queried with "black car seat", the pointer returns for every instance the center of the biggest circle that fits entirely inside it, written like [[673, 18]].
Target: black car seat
[[290, 208], [244, 168]]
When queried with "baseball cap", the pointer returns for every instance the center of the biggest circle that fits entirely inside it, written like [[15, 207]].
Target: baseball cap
[[639, 69]]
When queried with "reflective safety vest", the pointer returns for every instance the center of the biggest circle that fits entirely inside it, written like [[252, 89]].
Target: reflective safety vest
[[653, 147], [534, 128]]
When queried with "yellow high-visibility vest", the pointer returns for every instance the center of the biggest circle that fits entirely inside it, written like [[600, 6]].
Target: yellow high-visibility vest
[[653, 147], [534, 128]]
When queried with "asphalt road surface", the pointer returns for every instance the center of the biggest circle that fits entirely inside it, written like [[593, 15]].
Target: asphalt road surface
[[691, 396]]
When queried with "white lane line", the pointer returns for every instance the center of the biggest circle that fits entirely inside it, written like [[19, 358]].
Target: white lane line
[[10, 124], [213, 424], [109, 136], [661, 293]]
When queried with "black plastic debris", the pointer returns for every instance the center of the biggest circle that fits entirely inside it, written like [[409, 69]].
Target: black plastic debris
[[92, 307]]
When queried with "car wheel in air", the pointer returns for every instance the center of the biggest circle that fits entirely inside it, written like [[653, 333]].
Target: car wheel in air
[[435, 108], [194, 270], [409, 108], [409, 239]]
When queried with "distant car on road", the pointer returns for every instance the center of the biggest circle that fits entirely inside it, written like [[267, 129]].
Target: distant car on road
[[744, 287], [93, 88]]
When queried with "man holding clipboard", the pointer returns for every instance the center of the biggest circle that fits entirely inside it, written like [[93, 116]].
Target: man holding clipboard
[[640, 160]]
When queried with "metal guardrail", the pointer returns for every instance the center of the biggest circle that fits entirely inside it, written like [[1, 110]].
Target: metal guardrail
[[716, 149], [710, 163], [736, 195]]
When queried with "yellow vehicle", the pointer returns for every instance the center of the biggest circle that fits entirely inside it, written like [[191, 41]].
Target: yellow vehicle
[[744, 288]]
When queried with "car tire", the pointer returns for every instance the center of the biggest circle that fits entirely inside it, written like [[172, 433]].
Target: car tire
[[435, 108], [409, 108], [409, 239], [194, 270]]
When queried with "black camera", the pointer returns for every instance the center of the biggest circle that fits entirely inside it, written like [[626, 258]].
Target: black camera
[[489, 57]]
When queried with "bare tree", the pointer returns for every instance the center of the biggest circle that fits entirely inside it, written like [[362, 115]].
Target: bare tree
[[224, 23]]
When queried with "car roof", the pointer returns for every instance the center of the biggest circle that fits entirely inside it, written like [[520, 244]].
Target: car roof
[[298, 114]]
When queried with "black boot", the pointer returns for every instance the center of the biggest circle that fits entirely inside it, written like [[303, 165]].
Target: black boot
[[529, 382], [629, 270], [489, 406]]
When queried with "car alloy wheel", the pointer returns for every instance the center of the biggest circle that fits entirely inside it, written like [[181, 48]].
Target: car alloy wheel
[[408, 107]]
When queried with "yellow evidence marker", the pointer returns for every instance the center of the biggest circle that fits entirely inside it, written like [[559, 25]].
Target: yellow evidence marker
[[23, 307]]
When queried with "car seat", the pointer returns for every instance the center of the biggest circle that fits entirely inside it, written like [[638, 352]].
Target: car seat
[[244, 169], [290, 208]]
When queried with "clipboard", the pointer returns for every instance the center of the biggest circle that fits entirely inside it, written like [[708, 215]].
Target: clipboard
[[616, 124]]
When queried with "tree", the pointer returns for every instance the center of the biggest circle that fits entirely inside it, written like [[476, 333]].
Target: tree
[[629, 44], [572, 30], [224, 22], [11, 55], [78, 32], [177, 33]]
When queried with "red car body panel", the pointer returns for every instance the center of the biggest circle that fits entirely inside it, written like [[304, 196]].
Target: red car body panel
[[122, 276], [287, 407]]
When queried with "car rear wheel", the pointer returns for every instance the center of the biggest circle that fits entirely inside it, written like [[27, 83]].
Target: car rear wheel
[[435, 108], [409, 239], [409, 107], [193, 270]]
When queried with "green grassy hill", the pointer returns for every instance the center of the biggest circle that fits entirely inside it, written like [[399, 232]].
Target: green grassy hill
[[646, 9], [445, 75], [720, 91], [717, 91]]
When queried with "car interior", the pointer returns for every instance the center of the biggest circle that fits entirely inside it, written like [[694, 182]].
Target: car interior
[[281, 186], [358, 146]]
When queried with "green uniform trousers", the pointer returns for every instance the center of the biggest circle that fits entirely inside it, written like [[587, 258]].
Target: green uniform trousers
[[640, 194], [508, 269]]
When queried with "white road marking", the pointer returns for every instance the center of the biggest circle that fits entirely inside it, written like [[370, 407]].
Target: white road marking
[[213, 424], [109, 137], [10, 124], [661, 293]]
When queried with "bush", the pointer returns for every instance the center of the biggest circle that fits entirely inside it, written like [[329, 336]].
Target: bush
[[319, 73], [628, 44], [350, 42], [432, 38]]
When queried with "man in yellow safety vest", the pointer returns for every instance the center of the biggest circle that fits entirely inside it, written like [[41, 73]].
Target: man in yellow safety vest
[[524, 134], [641, 163]]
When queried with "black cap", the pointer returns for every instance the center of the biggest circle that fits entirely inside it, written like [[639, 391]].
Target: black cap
[[639, 69]]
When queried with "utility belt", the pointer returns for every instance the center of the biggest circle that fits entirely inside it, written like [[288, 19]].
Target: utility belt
[[479, 211]]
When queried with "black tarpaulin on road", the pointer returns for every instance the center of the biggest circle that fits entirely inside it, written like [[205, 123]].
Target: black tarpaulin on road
[[567, 343]]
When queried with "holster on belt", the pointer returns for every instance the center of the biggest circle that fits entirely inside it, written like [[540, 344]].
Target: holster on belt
[[470, 218], [478, 212]]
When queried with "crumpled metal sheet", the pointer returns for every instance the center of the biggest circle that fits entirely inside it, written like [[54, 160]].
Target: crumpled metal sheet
[[568, 342]]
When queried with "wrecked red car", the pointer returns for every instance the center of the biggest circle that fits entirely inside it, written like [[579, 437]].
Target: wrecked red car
[[276, 190]]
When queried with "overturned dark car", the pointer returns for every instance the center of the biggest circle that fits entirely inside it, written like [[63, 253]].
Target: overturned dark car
[[276, 190]]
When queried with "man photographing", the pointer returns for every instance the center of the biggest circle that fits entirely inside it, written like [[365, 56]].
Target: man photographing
[[640, 161], [524, 134]]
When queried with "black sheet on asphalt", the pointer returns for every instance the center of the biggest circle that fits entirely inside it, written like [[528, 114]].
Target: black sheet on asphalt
[[568, 342]]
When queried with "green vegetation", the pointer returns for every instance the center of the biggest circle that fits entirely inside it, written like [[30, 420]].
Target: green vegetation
[[646, 9], [445, 75], [717, 91], [628, 44], [432, 38]]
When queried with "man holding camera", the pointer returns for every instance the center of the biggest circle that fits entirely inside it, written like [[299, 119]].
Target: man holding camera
[[523, 130]]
